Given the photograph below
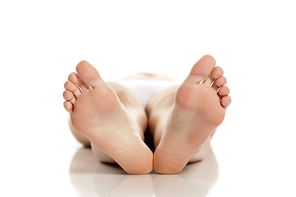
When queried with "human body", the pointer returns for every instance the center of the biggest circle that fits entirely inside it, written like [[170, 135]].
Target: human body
[[182, 119]]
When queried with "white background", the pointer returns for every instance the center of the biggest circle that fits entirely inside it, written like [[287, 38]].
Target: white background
[[253, 41]]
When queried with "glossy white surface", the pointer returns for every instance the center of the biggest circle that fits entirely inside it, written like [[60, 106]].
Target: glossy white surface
[[96, 179], [254, 42]]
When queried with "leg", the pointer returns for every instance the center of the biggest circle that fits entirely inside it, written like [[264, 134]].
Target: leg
[[183, 119], [111, 119]]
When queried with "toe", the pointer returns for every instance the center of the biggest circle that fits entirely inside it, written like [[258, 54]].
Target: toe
[[74, 78], [216, 73], [89, 74], [68, 106], [225, 101], [201, 69], [221, 81], [72, 88], [223, 91], [69, 96]]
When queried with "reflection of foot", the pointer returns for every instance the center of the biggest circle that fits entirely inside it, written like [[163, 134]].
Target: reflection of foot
[[199, 108], [97, 113], [172, 185], [137, 186]]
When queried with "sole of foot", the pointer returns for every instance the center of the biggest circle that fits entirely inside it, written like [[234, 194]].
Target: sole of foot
[[97, 113], [199, 108]]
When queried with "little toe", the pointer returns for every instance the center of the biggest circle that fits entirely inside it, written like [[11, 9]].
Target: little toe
[[74, 78], [69, 96], [68, 106], [72, 88], [223, 91], [89, 74], [221, 81], [201, 69], [225, 101]]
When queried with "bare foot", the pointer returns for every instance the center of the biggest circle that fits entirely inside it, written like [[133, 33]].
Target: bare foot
[[97, 113], [199, 107]]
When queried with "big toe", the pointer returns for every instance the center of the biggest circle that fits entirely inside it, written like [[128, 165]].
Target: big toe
[[89, 74], [201, 69]]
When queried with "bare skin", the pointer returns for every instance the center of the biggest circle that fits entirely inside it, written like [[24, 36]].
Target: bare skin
[[97, 113], [182, 119]]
